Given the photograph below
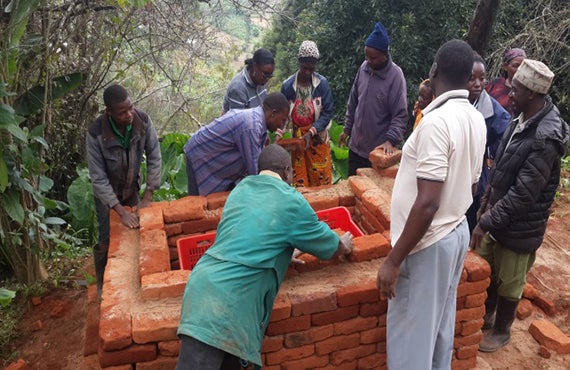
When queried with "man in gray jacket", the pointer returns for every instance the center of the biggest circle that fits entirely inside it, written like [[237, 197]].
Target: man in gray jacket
[[116, 142]]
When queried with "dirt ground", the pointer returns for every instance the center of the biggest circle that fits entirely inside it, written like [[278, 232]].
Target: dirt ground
[[57, 343]]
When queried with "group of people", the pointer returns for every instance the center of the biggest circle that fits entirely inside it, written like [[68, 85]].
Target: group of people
[[474, 173]]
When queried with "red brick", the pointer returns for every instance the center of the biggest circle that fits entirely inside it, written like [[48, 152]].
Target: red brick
[[470, 288], [468, 314], [115, 330], [369, 247], [161, 363], [321, 200], [184, 209], [337, 315], [315, 334], [369, 217], [544, 352], [352, 365], [471, 327], [19, 364], [373, 309], [272, 344], [460, 303], [382, 319], [469, 340], [313, 302], [208, 222], [355, 325], [550, 336], [150, 218], [155, 326], [274, 367], [217, 200], [386, 234], [310, 362], [173, 239], [463, 275], [59, 309], [391, 171], [289, 325], [173, 229], [530, 291], [346, 197], [169, 284], [312, 263], [545, 304], [154, 254], [477, 267], [36, 325], [466, 352], [469, 363], [374, 335], [338, 357], [381, 160], [172, 254], [360, 184], [354, 294], [337, 343], [281, 308], [289, 354], [372, 362], [36, 301], [131, 354], [169, 348], [524, 309], [475, 300], [378, 201], [366, 226]]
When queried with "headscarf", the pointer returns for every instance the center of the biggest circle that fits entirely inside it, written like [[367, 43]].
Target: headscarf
[[513, 53]]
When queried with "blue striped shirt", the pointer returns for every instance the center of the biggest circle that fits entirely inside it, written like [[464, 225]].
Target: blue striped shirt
[[227, 149]]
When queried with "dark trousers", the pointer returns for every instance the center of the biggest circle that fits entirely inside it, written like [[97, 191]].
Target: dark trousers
[[192, 183], [355, 162], [196, 355]]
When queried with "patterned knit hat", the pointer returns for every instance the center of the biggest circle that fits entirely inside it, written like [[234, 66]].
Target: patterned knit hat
[[309, 50], [534, 75]]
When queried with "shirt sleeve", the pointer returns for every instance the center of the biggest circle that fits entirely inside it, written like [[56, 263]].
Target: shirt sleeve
[[432, 149], [250, 143], [101, 185], [235, 98], [399, 111], [153, 157], [328, 108], [351, 105], [311, 235]]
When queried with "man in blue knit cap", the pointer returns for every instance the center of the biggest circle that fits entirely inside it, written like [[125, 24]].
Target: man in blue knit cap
[[376, 112]]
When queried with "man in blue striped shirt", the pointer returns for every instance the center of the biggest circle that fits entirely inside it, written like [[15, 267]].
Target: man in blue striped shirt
[[220, 154]]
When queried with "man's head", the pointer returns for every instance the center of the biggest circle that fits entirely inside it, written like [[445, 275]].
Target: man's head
[[452, 66], [118, 105], [276, 109], [274, 158], [530, 84], [376, 47]]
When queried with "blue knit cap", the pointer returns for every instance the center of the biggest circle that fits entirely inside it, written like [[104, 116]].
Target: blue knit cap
[[378, 39]]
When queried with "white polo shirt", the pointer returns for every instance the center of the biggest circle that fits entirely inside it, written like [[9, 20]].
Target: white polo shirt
[[448, 147]]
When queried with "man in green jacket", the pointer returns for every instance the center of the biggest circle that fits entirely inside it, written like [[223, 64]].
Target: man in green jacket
[[230, 293]]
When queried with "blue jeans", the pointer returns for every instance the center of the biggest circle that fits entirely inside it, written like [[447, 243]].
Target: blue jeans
[[199, 355]]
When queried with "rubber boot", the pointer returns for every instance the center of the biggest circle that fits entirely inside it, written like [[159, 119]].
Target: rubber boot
[[490, 306], [501, 333], [100, 257]]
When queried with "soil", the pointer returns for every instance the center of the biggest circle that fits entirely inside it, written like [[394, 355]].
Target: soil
[[58, 342]]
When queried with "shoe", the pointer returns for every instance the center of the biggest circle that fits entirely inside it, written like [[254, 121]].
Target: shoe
[[490, 306], [500, 335]]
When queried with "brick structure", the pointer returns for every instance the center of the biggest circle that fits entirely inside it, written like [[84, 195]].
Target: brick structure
[[328, 314]]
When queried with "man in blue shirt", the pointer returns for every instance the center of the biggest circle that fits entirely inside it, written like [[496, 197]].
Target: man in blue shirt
[[230, 293], [220, 154]]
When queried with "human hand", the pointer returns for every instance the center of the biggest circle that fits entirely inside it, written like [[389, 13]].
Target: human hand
[[346, 241], [343, 139], [386, 278], [130, 220], [307, 137], [297, 253], [387, 147], [476, 237]]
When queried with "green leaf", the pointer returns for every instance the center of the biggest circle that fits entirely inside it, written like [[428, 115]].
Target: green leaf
[[13, 207], [3, 175], [6, 296], [54, 221], [10, 121], [45, 184]]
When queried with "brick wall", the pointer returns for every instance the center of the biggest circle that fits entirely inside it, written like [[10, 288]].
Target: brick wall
[[327, 315]]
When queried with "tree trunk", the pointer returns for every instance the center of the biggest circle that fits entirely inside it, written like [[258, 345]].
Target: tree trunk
[[482, 25]]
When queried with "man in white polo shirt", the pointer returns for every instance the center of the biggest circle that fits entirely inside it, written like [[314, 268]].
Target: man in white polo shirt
[[441, 163]]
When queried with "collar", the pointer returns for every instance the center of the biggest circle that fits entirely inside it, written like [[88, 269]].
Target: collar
[[485, 105], [382, 72], [443, 98], [247, 78], [315, 81], [270, 173]]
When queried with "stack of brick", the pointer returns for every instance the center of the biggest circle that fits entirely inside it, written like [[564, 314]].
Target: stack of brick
[[385, 164], [471, 296], [372, 209]]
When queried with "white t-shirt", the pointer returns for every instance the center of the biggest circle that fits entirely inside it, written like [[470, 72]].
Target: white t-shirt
[[447, 146]]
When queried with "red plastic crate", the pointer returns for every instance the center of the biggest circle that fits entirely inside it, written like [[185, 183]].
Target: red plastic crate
[[190, 249], [339, 218]]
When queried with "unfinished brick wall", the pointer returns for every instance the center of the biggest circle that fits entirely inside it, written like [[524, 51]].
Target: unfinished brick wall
[[327, 315]]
